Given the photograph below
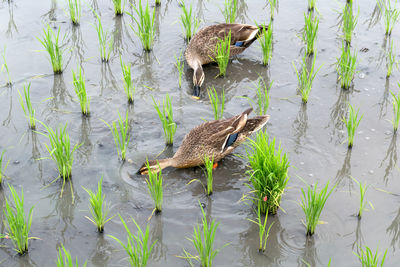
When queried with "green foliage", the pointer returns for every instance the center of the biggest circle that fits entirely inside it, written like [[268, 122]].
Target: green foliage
[[346, 67], [370, 259], [16, 222], [311, 4], [209, 164], [137, 246], [190, 23], [64, 259], [390, 14], [262, 95], [306, 77], [218, 104], [349, 22], [179, 64], [80, 91], [158, 2], [352, 123], [363, 188], [127, 78], [4, 66], [26, 105], [222, 52], [268, 175], [390, 60], [120, 134], [396, 110], [105, 40], [310, 32], [265, 41], [272, 7], [155, 187], [145, 25], [2, 168], [262, 231], [167, 119], [230, 11], [74, 8], [312, 204], [119, 6], [52, 43], [98, 207]]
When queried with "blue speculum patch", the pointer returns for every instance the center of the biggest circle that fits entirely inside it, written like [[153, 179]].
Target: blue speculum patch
[[231, 139], [239, 44]]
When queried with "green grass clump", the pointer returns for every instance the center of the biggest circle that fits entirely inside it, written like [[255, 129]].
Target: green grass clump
[[2, 168], [52, 43], [119, 6], [4, 66], [137, 246], [230, 11], [64, 258], [363, 188], [80, 91], [218, 104], [167, 119], [98, 207], [209, 165], [262, 96], [390, 15], [120, 134], [349, 22], [310, 32], [26, 105], [265, 41], [158, 2], [311, 4], [346, 67], [74, 8], [203, 241], [128, 85], [16, 222], [190, 23], [396, 110], [145, 25], [312, 204], [352, 123], [268, 175], [262, 231], [105, 40], [306, 77], [221, 52], [390, 60], [179, 64], [272, 7], [155, 187], [370, 259]]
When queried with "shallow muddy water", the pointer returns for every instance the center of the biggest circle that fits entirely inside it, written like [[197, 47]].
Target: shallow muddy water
[[313, 136]]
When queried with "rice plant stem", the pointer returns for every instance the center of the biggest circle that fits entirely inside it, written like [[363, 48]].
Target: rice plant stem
[[26, 104], [179, 64], [80, 91], [155, 187], [209, 164], [396, 110], [74, 8], [265, 41], [120, 134], [221, 54], [352, 123], [51, 42], [218, 104], [190, 23], [127, 78], [167, 119], [230, 11], [2, 168], [64, 258]]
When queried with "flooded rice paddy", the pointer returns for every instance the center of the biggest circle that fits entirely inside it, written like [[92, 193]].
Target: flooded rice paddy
[[313, 135]]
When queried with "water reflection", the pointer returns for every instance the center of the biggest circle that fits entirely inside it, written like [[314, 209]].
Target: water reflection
[[7, 120], [51, 14], [384, 100], [78, 44], [300, 126], [338, 112], [11, 23], [309, 255], [117, 34], [36, 156], [394, 231], [344, 174], [160, 249], [390, 157], [107, 78], [86, 148], [59, 93], [358, 242], [375, 16], [242, 9], [102, 252]]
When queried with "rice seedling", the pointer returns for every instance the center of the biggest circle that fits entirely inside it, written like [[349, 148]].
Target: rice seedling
[[179, 64], [80, 91], [346, 67], [262, 231], [230, 11], [389, 13], [311, 4], [209, 165], [262, 95], [218, 104], [145, 25], [265, 41], [370, 259], [390, 60], [203, 241], [312, 204], [310, 32], [155, 187], [64, 258], [52, 43], [190, 23], [221, 52], [306, 78], [121, 136], [137, 247], [4, 66], [127, 78], [158, 2], [26, 105], [119, 6], [272, 8], [167, 119], [2, 168], [98, 207], [105, 40], [17, 223], [396, 110], [363, 188], [349, 22], [74, 8], [352, 123], [268, 175]]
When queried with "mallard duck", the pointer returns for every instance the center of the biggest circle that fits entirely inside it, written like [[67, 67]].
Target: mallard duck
[[213, 139], [201, 47]]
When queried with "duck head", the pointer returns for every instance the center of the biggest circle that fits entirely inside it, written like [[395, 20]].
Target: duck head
[[198, 79]]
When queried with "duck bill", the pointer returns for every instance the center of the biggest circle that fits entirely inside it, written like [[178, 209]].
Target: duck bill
[[196, 92]]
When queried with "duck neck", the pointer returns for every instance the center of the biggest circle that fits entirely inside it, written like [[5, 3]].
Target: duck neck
[[164, 163]]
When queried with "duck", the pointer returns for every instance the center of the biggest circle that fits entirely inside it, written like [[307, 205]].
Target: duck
[[212, 139], [200, 50]]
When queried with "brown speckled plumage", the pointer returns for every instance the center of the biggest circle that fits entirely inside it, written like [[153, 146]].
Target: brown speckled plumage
[[209, 139]]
